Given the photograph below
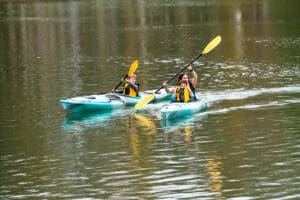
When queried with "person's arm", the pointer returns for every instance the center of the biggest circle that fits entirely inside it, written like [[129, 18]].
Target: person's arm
[[194, 75], [191, 93], [168, 90], [135, 86]]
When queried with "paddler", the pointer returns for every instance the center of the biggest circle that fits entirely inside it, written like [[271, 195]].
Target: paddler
[[183, 92], [190, 83], [131, 87]]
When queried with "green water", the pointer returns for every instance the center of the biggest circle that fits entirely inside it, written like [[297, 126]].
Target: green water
[[244, 146]]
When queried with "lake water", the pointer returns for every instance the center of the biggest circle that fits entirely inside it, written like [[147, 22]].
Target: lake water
[[244, 146]]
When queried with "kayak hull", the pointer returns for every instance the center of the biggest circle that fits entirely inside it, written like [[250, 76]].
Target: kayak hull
[[91, 103], [176, 110], [107, 102]]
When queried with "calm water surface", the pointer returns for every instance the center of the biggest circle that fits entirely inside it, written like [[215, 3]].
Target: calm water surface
[[244, 146]]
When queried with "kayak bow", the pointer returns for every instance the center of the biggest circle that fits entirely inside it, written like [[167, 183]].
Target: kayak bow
[[175, 110]]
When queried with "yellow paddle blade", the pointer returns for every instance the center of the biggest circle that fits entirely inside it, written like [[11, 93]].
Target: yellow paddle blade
[[144, 101], [133, 67], [212, 44]]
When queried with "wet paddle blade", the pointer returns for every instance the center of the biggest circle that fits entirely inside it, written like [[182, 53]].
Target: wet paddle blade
[[144, 101], [212, 44], [133, 67]]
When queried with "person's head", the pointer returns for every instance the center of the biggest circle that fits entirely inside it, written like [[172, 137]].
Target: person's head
[[183, 77], [132, 78], [183, 84]]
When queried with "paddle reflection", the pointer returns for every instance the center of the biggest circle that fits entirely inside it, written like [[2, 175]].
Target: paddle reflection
[[141, 129], [184, 127], [146, 123], [214, 165], [188, 133]]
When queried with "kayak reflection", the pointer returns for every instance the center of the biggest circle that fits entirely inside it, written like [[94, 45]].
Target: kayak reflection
[[169, 124], [184, 128], [81, 121], [183, 123]]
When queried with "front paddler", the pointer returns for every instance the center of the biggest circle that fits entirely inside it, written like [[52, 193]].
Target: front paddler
[[190, 92], [131, 87]]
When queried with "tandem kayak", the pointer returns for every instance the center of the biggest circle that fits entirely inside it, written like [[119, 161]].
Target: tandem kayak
[[175, 110], [108, 101]]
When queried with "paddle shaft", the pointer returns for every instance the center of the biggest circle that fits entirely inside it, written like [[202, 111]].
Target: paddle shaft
[[120, 82], [168, 81], [132, 69]]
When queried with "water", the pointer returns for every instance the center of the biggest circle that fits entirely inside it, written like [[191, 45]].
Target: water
[[244, 146]]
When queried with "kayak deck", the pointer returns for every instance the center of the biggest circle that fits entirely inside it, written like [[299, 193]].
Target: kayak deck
[[175, 110]]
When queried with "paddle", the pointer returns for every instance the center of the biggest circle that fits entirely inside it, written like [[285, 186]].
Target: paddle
[[210, 46], [133, 67]]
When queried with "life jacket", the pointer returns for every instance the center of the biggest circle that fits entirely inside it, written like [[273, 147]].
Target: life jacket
[[129, 90], [182, 94]]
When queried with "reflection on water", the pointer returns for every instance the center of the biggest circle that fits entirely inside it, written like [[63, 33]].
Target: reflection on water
[[214, 167], [193, 158], [171, 125], [245, 146], [136, 124], [146, 123], [82, 121]]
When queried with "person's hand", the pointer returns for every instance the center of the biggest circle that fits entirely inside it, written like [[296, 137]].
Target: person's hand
[[190, 67], [165, 84]]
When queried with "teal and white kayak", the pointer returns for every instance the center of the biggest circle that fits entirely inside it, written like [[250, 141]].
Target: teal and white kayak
[[107, 102], [176, 110]]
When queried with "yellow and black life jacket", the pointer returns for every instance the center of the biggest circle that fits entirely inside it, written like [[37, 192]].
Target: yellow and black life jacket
[[182, 94], [129, 90]]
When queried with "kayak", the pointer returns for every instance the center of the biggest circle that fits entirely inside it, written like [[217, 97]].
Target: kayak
[[176, 110], [107, 102]]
